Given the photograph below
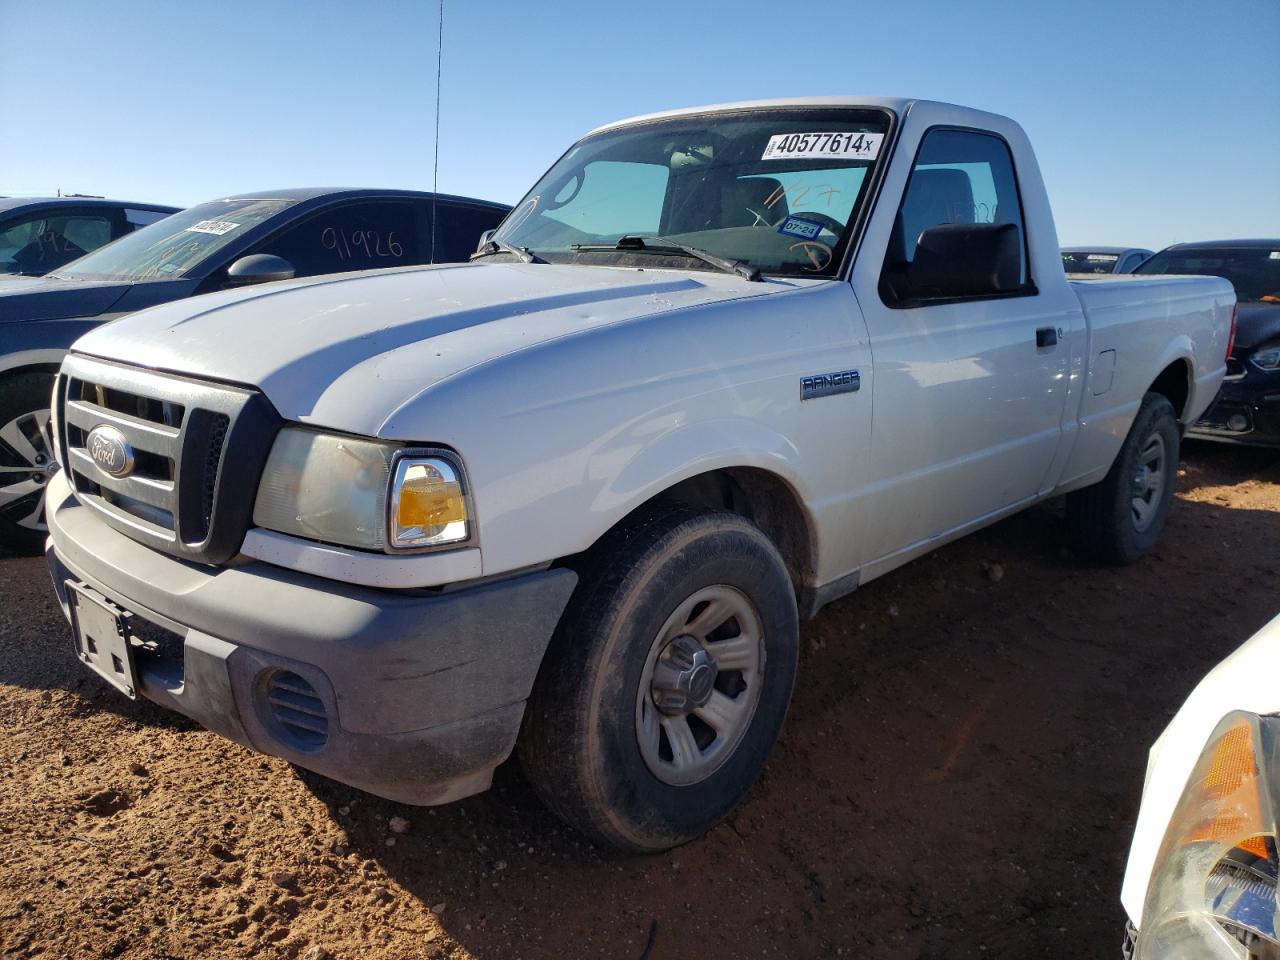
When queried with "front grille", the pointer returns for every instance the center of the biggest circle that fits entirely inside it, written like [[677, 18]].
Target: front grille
[[297, 710], [217, 437], [1235, 369], [183, 493]]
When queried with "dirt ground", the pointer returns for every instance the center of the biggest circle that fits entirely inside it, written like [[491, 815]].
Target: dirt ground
[[958, 777]]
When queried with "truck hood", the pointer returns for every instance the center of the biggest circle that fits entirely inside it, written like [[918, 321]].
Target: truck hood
[[44, 298], [1231, 685], [1257, 323], [346, 351]]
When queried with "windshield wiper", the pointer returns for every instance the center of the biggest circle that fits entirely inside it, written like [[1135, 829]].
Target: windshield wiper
[[493, 245], [666, 245]]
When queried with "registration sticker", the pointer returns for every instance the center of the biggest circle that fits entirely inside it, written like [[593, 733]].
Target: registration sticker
[[1275, 255], [837, 146], [216, 227], [800, 227]]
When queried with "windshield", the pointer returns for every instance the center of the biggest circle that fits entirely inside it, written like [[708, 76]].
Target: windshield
[[1089, 262], [176, 245], [1253, 271], [778, 190]]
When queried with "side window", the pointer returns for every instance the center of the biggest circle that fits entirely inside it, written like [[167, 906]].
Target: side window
[[45, 242], [137, 219], [960, 177], [354, 236], [458, 228]]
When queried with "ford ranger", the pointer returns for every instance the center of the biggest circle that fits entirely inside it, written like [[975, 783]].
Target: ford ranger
[[719, 367]]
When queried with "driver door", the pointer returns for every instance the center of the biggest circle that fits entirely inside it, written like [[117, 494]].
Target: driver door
[[969, 391]]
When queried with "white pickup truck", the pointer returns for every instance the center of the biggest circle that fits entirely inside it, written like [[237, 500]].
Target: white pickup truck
[[720, 367]]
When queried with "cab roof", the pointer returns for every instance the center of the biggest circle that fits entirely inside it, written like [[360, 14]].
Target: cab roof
[[899, 105]]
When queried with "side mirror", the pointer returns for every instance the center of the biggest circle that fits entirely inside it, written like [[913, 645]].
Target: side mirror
[[485, 238], [259, 268], [955, 260]]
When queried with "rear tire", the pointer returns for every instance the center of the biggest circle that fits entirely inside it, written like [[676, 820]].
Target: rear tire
[[667, 681], [1120, 518], [26, 459]]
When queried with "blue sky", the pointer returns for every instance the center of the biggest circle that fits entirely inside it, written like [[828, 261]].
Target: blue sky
[[1154, 121]]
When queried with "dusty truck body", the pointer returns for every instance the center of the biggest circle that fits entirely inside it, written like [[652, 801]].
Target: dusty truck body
[[720, 367]]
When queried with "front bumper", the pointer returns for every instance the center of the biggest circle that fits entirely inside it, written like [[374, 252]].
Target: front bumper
[[422, 693], [1245, 411]]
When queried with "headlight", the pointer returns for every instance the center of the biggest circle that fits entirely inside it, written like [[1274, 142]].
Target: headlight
[[1268, 358], [1213, 886], [360, 493]]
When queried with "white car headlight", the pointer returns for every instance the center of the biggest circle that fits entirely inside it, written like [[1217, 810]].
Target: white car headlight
[[1213, 886], [360, 493]]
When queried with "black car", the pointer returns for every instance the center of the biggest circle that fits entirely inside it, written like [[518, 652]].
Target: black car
[[273, 235], [39, 234], [1247, 409]]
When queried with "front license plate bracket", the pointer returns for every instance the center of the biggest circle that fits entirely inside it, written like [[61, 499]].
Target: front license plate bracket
[[102, 638]]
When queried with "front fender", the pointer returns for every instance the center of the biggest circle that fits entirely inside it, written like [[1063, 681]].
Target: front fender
[[687, 450]]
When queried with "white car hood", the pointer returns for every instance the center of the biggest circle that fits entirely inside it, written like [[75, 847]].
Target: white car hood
[[1231, 685], [346, 351]]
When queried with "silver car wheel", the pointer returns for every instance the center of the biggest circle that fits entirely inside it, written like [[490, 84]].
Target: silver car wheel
[[700, 686], [28, 468], [1148, 482]]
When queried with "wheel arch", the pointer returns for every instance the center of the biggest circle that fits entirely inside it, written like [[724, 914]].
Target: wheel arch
[[1176, 382], [31, 361], [763, 496]]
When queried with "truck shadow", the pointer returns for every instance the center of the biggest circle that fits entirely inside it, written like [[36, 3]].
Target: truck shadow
[[958, 775]]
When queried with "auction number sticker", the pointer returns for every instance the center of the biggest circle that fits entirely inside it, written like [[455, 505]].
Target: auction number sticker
[[840, 146], [216, 227]]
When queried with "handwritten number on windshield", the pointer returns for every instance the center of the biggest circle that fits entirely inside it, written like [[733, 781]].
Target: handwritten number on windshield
[[798, 192], [368, 244]]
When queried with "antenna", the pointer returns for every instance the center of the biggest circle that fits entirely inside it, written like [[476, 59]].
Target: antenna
[[435, 172]]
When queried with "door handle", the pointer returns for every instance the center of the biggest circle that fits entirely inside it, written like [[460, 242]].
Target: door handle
[[1047, 337]]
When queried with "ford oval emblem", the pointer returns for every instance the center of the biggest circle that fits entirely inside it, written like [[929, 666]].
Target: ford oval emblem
[[110, 451]]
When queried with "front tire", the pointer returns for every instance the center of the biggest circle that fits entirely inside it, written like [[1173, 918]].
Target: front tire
[[667, 681], [1121, 518], [26, 459]]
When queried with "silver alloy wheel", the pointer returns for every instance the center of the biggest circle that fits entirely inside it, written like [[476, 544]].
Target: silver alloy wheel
[[700, 686], [1148, 483], [22, 482]]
